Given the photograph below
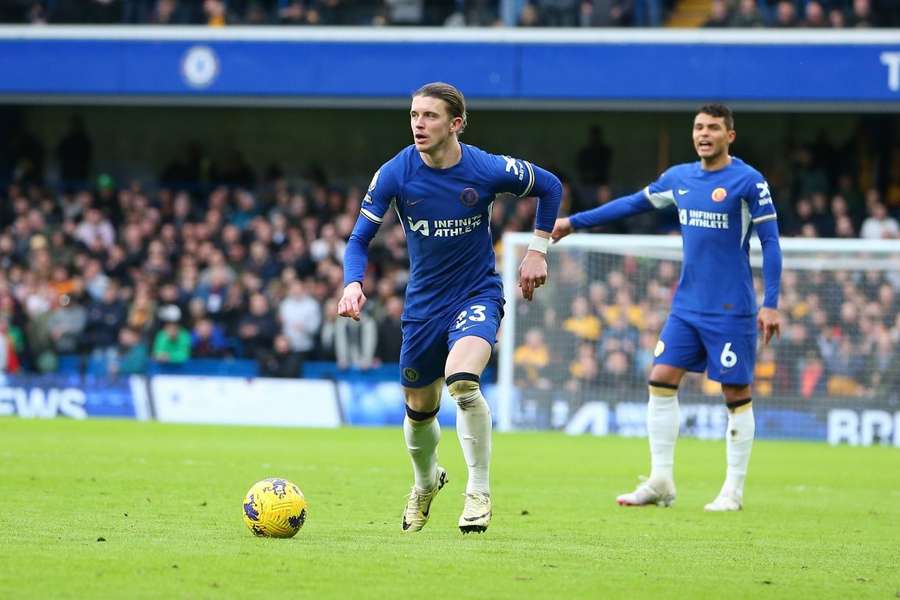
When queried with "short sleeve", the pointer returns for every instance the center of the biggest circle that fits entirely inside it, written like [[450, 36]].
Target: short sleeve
[[759, 200], [661, 193], [382, 190], [510, 175]]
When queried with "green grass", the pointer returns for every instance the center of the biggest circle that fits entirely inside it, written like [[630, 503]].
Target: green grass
[[818, 522]]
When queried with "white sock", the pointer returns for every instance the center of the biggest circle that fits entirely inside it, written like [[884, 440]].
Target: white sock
[[422, 438], [738, 444], [473, 427], [663, 421]]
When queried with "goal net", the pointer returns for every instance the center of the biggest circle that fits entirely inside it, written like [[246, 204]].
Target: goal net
[[577, 357]]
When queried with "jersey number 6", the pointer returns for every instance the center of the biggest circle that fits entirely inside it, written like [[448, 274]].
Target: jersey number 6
[[728, 358]]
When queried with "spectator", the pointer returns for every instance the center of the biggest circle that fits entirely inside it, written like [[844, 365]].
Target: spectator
[[208, 340], [815, 15], [531, 360], [300, 317], [747, 15], [131, 357], [67, 321], [584, 371], [173, 342], [281, 361], [785, 15], [215, 12], [9, 358], [861, 16], [583, 325], [104, 319], [529, 16], [95, 228], [257, 330], [879, 225], [718, 15], [355, 342], [837, 19], [390, 332]]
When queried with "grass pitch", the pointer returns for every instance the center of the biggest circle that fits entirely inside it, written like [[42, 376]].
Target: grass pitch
[[127, 509]]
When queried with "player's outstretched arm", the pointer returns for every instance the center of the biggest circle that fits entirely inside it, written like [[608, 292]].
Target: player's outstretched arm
[[620, 208], [768, 320]]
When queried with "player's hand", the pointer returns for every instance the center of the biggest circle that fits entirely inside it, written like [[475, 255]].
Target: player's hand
[[532, 273], [352, 301], [561, 229], [769, 323]]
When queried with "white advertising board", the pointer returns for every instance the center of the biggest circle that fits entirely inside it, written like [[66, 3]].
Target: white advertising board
[[240, 401]]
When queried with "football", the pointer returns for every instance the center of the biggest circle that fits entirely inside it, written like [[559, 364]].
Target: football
[[274, 508]]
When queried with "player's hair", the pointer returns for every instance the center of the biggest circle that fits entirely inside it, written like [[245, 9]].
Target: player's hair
[[456, 102], [719, 110]]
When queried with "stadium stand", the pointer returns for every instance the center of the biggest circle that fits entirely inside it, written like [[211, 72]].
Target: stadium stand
[[478, 13]]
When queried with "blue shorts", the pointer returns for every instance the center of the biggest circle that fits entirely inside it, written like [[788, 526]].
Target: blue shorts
[[724, 347], [426, 344]]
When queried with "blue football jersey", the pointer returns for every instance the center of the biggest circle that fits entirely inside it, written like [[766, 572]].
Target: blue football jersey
[[446, 216], [717, 211]]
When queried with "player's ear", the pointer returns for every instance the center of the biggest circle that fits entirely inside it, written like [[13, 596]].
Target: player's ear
[[732, 134], [456, 124]]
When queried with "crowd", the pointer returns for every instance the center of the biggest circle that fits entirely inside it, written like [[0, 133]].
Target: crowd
[[814, 14], [213, 259], [841, 332], [480, 13]]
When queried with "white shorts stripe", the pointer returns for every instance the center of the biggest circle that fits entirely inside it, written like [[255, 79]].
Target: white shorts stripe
[[764, 218]]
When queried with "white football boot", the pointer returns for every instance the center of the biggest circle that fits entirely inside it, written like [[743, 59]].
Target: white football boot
[[476, 515], [418, 504], [660, 492], [726, 501]]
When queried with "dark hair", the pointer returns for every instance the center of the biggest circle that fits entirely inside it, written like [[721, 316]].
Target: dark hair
[[454, 99], [719, 110]]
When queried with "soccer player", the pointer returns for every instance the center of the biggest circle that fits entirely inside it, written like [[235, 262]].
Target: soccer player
[[714, 319], [443, 192]]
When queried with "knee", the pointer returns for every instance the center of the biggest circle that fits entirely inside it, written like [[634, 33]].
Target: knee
[[465, 388], [662, 389], [422, 404]]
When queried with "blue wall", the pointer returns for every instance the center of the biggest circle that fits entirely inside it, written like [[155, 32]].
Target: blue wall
[[790, 67]]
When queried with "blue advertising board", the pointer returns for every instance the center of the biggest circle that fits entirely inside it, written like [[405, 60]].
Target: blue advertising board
[[53, 396], [380, 403], [830, 68]]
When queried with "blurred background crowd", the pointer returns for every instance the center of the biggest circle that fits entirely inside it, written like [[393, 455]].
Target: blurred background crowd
[[480, 13], [840, 336], [213, 259]]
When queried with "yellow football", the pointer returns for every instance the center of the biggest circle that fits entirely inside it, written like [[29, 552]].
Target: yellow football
[[275, 507]]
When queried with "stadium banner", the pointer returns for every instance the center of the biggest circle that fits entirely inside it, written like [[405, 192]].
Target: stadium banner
[[850, 426], [73, 397], [243, 401], [520, 67], [375, 404]]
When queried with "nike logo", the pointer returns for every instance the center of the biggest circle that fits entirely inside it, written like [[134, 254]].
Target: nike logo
[[413, 202], [470, 519], [682, 192], [464, 328]]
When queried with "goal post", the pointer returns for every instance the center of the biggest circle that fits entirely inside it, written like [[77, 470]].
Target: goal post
[[577, 357]]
